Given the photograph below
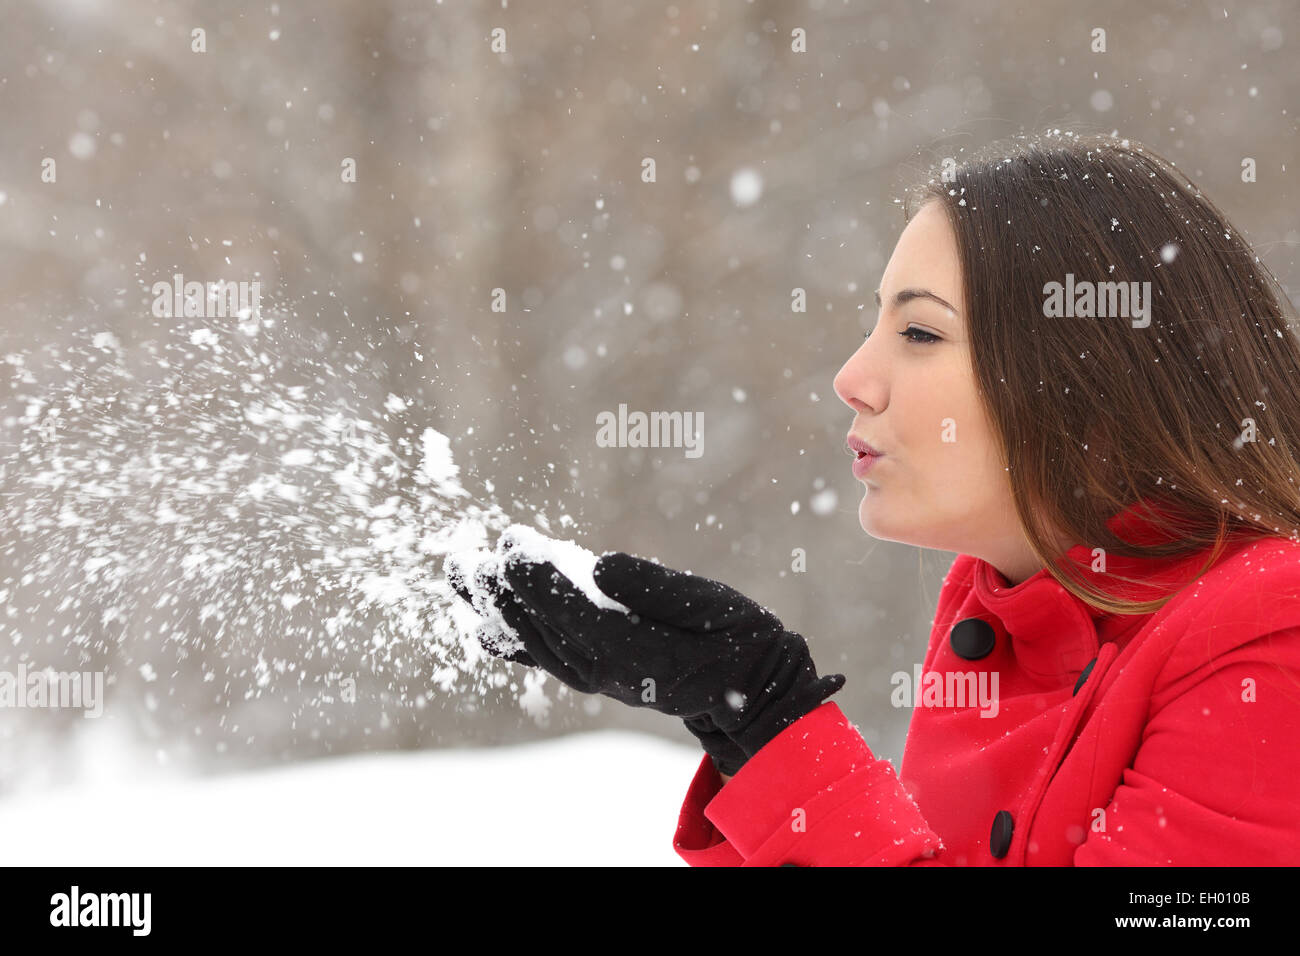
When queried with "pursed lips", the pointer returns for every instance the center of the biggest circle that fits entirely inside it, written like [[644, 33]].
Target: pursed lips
[[860, 447]]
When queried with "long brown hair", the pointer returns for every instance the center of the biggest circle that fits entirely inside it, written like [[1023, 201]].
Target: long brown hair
[[1095, 415]]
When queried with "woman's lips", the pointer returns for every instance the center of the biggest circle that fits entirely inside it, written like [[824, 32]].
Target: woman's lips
[[866, 455], [863, 462]]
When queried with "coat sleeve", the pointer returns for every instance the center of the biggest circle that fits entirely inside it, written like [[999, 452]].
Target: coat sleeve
[[1215, 782], [1216, 777], [815, 795]]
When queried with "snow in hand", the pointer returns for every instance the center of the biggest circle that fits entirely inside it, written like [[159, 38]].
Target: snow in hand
[[479, 572]]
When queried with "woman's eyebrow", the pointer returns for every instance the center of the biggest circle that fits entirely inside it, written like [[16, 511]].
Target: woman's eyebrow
[[907, 295]]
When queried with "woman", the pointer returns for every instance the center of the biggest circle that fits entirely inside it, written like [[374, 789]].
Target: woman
[[1119, 479]]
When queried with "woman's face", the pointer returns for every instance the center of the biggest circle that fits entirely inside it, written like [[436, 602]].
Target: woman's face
[[940, 482]]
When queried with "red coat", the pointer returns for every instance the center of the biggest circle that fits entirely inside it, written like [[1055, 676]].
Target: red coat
[[1150, 740]]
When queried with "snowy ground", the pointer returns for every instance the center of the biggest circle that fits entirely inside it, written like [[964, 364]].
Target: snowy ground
[[606, 798]]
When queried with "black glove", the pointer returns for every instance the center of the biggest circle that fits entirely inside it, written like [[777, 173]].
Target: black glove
[[511, 611], [728, 757], [691, 648], [724, 751]]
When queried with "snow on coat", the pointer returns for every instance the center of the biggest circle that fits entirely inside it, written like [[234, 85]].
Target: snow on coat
[[1117, 740]]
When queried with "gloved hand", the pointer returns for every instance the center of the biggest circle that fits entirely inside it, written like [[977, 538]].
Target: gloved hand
[[728, 757], [510, 609], [691, 647]]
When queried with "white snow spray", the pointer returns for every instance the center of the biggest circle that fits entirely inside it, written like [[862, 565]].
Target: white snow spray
[[212, 491]]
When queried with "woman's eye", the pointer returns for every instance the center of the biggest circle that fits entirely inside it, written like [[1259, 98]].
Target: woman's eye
[[925, 338], [916, 336]]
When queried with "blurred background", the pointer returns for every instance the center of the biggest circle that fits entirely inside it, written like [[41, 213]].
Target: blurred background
[[504, 146]]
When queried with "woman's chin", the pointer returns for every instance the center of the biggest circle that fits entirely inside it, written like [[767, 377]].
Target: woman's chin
[[869, 515], [880, 519]]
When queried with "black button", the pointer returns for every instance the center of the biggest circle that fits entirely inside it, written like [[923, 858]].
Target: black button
[[789, 864], [1084, 676], [972, 638], [1000, 838]]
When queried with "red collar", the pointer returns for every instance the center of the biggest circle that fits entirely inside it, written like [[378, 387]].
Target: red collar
[[1040, 606]]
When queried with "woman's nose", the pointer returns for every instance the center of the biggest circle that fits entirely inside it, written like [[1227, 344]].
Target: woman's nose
[[857, 385]]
